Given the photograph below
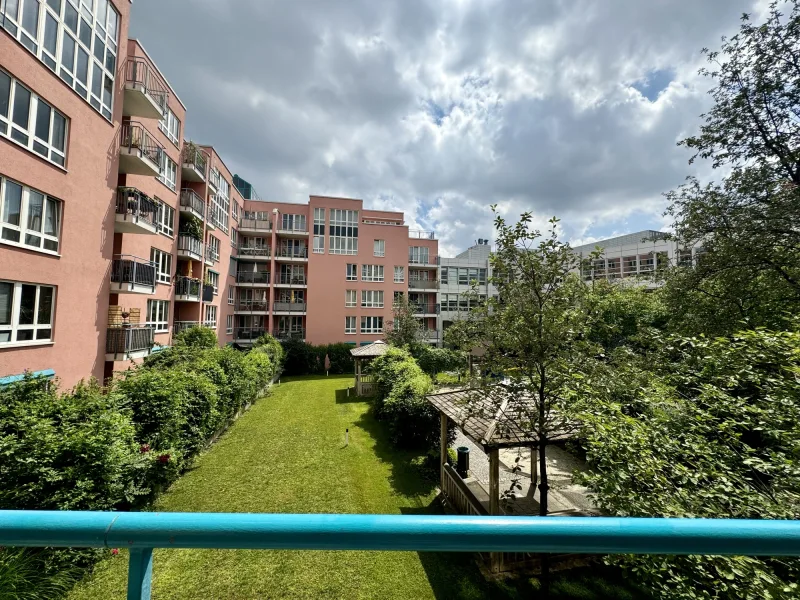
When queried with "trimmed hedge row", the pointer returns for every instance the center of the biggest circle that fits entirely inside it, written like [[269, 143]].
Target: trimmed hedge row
[[303, 358]]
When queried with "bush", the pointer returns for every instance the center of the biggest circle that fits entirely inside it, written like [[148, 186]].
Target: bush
[[438, 360], [299, 358], [272, 348], [339, 355], [197, 337]]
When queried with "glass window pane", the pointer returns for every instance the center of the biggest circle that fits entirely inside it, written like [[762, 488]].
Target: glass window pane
[[33, 240], [111, 60], [99, 48], [5, 93], [85, 34], [27, 304], [30, 17], [44, 334], [71, 18], [55, 5], [22, 106], [51, 218], [50, 34], [12, 204], [43, 121], [6, 302], [108, 88], [12, 9], [97, 79], [113, 19], [25, 335], [68, 52], [59, 131], [35, 207], [82, 70]]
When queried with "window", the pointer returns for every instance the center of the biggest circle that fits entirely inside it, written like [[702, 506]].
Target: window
[[399, 274], [343, 232], [213, 247], [417, 275], [158, 315], [163, 262], [350, 298], [166, 219], [169, 172], [229, 325], [234, 237], [230, 295], [371, 324], [235, 211], [26, 312], [213, 278], [352, 272], [349, 325], [319, 230], [463, 276], [211, 316], [39, 25], [28, 218], [170, 126], [398, 296], [443, 275], [31, 122], [379, 248], [293, 222], [371, 272], [371, 298], [482, 276], [418, 255]]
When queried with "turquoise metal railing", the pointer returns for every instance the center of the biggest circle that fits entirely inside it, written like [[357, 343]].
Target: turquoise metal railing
[[141, 532]]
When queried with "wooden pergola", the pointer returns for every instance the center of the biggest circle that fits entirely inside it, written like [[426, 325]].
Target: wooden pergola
[[365, 384]]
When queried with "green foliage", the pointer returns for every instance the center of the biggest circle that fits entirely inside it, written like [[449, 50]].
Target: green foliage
[[437, 360], [404, 329], [340, 358], [273, 349], [302, 358], [197, 337], [624, 315], [25, 574], [192, 227]]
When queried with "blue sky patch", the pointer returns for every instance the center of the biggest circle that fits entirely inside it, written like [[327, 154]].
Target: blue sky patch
[[654, 83]]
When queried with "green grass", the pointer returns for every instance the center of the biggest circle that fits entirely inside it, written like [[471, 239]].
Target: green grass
[[287, 455]]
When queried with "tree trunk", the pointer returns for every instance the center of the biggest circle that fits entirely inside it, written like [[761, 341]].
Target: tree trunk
[[544, 558]]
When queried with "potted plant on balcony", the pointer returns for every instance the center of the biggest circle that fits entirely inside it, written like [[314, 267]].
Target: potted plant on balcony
[[192, 227], [208, 290]]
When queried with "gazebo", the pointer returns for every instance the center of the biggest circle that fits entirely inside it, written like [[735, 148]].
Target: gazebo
[[365, 384]]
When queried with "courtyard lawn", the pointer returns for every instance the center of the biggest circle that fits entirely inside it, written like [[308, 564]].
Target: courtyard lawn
[[287, 455]]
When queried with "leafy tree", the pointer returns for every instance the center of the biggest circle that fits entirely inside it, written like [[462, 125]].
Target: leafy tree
[[750, 268], [404, 329], [197, 337]]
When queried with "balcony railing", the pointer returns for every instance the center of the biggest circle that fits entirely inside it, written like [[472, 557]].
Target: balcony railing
[[194, 158], [289, 334], [426, 309], [143, 531], [256, 224], [431, 260], [137, 206], [290, 279], [289, 307], [249, 333], [121, 341], [212, 216], [187, 243], [258, 277], [140, 75], [423, 284], [133, 271], [262, 251], [430, 335], [212, 254], [421, 235], [187, 286], [134, 136], [292, 252], [179, 326], [190, 200], [252, 305]]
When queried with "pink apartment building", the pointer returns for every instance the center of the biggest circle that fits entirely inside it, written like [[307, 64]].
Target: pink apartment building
[[116, 233]]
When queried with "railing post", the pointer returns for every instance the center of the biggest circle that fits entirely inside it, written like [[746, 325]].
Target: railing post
[[140, 573]]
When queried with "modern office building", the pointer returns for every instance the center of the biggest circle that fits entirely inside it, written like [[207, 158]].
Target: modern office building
[[116, 233]]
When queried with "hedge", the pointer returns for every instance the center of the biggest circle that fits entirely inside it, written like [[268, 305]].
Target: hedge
[[303, 358]]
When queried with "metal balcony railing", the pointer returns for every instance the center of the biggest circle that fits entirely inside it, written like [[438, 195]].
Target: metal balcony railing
[[134, 136], [192, 156], [187, 286], [187, 243], [290, 279], [125, 340], [133, 270], [143, 531], [212, 253], [263, 251], [256, 224], [289, 307], [252, 305], [141, 74], [137, 206], [179, 326], [249, 333], [421, 235], [423, 284], [285, 252], [289, 334], [427, 309], [431, 260], [190, 199], [252, 277]]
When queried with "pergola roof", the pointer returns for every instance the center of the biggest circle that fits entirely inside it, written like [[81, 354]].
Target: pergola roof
[[489, 418], [372, 350]]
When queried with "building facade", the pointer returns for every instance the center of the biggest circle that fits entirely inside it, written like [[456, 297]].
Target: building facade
[[456, 278]]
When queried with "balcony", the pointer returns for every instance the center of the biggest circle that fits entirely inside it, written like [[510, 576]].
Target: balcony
[[425, 310], [421, 235], [193, 164], [427, 262], [252, 278], [132, 275], [289, 334], [423, 285], [212, 255], [127, 343], [293, 232], [187, 289], [189, 247], [211, 216], [247, 335], [180, 326], [255, 225], [192, 204], [139, 152], [291, 279], [214, 180], [294, 308], [430, 335], [255, 252], [252, 306], [145, 94], [135, 212], [291, 255]]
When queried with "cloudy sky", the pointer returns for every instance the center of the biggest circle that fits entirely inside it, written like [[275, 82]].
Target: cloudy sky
[[440, 108]]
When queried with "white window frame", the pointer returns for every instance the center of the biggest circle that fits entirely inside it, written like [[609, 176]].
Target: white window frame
[[229, 325], [379, 248], [50, 205], [13, 328], [211, 316], [230, 295], [158, 315], [293, 222], [235, 211], [372, 273], [371, 324], [319, 231], [350, 325], [343, 238], [399, 274], [350, 298], [213, 244], [170, 126], [168, 174], [371, 298], [234, 237], [166, 219], [26, 135], [163, 262], [351, 276], [415, 254], [213, 276]]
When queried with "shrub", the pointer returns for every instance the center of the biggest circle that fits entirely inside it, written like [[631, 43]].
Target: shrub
[[338, 354], [197, 337], [438, 360], [300, 358], [273, 349], [258, 369]]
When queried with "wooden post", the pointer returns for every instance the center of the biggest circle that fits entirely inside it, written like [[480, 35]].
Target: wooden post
[[495, 558], [442, 447], [358, 377]]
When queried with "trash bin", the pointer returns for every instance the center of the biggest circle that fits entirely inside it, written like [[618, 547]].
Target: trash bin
[[463, 461]]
